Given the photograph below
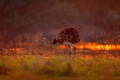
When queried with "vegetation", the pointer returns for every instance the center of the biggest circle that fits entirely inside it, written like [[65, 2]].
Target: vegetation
[[81, 67]]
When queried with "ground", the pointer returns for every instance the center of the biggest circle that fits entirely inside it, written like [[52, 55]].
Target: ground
[[59, 67]]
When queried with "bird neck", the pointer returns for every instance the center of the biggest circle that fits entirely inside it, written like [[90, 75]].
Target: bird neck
[[47, 44]]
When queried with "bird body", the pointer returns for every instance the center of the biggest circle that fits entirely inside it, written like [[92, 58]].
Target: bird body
[[68, 37], [70, 34]]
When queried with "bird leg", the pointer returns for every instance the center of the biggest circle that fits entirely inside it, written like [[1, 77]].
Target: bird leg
[[74, 48], [69, 51], [68, 44]]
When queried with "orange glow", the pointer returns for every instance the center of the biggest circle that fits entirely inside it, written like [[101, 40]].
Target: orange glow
[[90, 46], [95, 46], [16, 49]]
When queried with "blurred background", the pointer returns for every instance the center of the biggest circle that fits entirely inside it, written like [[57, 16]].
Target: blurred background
[[96, 20]]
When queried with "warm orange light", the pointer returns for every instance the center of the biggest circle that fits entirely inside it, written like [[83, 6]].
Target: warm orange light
[[16, 49], [95, 46]]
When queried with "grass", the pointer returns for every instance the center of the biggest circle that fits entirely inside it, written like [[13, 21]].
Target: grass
[[36, 67]]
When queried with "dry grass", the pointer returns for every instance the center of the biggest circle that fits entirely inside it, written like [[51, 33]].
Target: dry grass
[[81, 67]]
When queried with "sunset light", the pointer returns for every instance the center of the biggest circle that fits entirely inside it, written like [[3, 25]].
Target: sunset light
[[96, 46]]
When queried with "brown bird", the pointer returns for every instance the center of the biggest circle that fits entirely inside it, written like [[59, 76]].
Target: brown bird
[[68, 37]]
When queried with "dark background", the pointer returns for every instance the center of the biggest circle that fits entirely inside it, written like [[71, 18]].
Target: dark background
[[96, 20]]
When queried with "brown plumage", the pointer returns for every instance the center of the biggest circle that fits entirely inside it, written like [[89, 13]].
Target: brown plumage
[[70, 34]]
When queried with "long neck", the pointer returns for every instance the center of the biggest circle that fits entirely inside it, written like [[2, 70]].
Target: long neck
[[47, 44]]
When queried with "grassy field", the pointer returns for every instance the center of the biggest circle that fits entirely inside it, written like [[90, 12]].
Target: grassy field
[[81, 67]]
